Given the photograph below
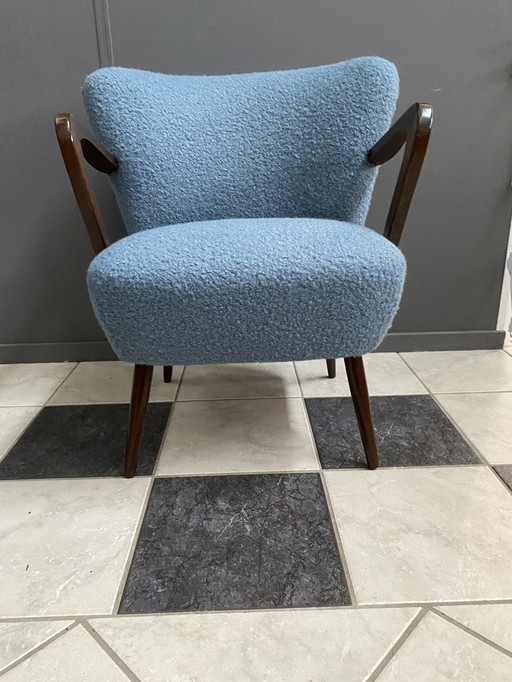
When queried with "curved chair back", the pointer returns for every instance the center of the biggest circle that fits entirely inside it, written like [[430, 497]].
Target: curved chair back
[[275, 144]]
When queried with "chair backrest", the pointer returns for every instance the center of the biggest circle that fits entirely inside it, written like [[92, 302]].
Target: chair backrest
[[274, 144]]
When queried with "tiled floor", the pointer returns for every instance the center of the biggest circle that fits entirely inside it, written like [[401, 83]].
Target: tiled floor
[[254, 544]]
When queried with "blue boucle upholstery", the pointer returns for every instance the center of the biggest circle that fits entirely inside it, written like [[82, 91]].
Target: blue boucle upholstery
[[246, 290], [244, 197], [277, 144]]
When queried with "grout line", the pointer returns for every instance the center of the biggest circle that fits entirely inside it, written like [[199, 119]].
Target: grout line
[[23, 431], [110, 652], [238, 399], [245, 397], [39, 409], [40, 646], [384, 662], [451, 391], [70, 403], [269, 472], [60, 384], [254, 472], [133, 546], [330, 508], [424, 606], [89, 403], [501, 480], [135, 541], [490, 390], [348, 607], [474, 633], [464, 435], [337, 536]]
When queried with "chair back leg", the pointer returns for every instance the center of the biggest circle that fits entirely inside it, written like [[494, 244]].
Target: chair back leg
[[359, 391], [142, 375], [331, 368], [168, 374]]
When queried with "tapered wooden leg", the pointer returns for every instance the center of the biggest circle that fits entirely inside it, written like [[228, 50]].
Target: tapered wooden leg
[[361, 400], [142, 375], [331, 368], [168, 374]]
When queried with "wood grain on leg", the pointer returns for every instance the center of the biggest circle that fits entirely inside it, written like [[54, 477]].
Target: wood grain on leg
[[142, 375], [359, 391]]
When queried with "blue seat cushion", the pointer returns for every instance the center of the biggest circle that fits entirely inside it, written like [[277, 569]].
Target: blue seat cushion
[[246, 290]]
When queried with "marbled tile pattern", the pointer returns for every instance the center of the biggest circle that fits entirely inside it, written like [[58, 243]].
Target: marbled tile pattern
[[438, 651], [261, 380], [493, 621], [505, 472], [73, 657], [280, 646], [110, 382], [219, 436], [410, 431], [235, 542], [486, 419], [83, 440], [18, 639], [456, 372], [65, 544], [31, 384], [386, 373], [272, 578], [425, 534], [13, 421]]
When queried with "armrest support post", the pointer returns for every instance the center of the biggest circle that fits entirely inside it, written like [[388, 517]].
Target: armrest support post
[[413, 130], [75, 148]]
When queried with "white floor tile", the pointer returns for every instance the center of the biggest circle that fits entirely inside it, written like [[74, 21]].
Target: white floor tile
[[289, 646], [420, 535], [262, 380], [460, 371], [18, 639], [226, 436], [438, 651], [31, 384], [65, 543], [13, 421], [386, 373], [486, 418], [110, 382], [73, 657], [493, 621]]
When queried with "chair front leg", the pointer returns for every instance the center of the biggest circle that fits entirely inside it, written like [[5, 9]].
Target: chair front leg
[[359, 391], [168, 374], [141, 386]]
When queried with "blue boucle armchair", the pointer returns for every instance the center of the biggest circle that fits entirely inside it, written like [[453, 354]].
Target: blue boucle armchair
[[244, 198]]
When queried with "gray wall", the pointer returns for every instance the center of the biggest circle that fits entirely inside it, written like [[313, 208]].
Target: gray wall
[[456, 55]]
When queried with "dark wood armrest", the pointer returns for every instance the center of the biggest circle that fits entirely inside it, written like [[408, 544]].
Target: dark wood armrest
[[76, 148], [413, 130]]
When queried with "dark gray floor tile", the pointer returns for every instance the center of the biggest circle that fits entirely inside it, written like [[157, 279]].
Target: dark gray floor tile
[[235, 542], [411, 430], [82, 440], [505, 472]]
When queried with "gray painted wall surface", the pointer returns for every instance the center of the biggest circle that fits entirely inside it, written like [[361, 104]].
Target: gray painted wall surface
[[456, 55]]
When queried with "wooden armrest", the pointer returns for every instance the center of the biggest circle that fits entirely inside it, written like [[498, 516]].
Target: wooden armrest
[[76, 148], [413, 130]]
